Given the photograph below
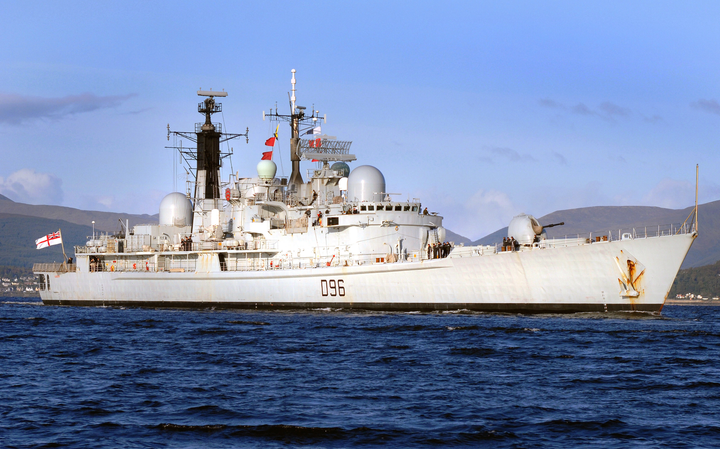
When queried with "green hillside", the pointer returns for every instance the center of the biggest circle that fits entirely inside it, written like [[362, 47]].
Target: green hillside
[[703, 281], [108, 221], [18, 234]]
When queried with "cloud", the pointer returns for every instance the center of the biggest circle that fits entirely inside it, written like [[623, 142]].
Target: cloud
[[16, 109], [484, 212], [506, 153], [606, 110], [581, 109], [654, 119], [139, 111], [28, 186], [474, 216], [671, 194], [612, 110], [559, 158], [711, 106], [146, 202], [548, 103]]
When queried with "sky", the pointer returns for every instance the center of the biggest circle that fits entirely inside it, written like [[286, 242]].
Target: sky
[[482, 110]]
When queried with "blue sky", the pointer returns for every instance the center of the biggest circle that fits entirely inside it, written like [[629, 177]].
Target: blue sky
[[483, 110]]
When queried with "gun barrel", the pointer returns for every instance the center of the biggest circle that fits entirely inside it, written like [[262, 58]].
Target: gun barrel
[[553, 225]]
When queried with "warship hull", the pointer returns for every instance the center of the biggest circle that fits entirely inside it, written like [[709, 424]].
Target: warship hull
[[633, 274]]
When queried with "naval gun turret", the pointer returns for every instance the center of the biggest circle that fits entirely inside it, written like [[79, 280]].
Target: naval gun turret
[[527, 230]]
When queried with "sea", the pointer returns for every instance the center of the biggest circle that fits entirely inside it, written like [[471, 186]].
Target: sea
[[89, 377]]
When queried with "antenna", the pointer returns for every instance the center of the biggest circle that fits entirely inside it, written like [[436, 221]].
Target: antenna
[[292, 99], [211, 93], [697, 177], [298, 118]]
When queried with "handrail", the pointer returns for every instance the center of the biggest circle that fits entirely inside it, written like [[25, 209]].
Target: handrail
[[54, 267]]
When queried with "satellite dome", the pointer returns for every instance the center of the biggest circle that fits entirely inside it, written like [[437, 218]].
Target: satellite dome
[[342, 169], [175, 210], [366, 183], [266, 169]]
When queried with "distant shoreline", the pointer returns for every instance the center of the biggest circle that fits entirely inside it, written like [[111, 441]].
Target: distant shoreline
[[19, 295], [691, 302]]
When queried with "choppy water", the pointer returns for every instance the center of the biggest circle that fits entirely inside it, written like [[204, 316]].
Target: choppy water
[[112, 377]]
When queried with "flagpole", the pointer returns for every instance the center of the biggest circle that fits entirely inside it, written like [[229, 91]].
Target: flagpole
[[63, 249]]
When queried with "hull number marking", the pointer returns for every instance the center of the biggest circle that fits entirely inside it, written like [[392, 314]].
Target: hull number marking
[[332, 287]]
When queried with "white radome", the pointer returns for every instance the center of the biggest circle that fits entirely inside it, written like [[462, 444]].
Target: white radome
[[175, 210], [366, 183]]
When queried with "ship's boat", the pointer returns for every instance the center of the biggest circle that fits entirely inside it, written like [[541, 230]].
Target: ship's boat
[[340, 240]]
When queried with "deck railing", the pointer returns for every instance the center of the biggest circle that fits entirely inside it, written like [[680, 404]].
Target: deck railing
[[634, 233], [53, 267]]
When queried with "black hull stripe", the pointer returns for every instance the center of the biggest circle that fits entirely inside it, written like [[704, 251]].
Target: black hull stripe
[[424, 307]]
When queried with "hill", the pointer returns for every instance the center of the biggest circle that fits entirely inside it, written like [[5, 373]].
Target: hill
[[703, 281], [19, 232], [105, 221], [600, 220], [456, 238], [21, 224]]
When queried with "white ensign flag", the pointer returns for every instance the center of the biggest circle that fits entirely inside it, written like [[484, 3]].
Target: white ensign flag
[[49, 240]]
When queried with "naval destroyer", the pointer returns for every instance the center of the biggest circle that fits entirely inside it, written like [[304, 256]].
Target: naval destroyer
[[340, 240]]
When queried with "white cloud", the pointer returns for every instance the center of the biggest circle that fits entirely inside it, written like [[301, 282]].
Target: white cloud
[[28, 186], [484, 212], [131, 202], [671, 194]]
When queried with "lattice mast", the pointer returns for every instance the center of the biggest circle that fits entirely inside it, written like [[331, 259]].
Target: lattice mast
[[297, 119], [208, 156]]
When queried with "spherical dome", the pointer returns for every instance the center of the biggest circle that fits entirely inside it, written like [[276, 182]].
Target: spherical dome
[[266, 169], [341, 168], [524, 228], [176, 210], [366, 183], [441, 233]]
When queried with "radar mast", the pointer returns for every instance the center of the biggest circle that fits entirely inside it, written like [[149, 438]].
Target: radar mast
[[296, 118], [208, 156]]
